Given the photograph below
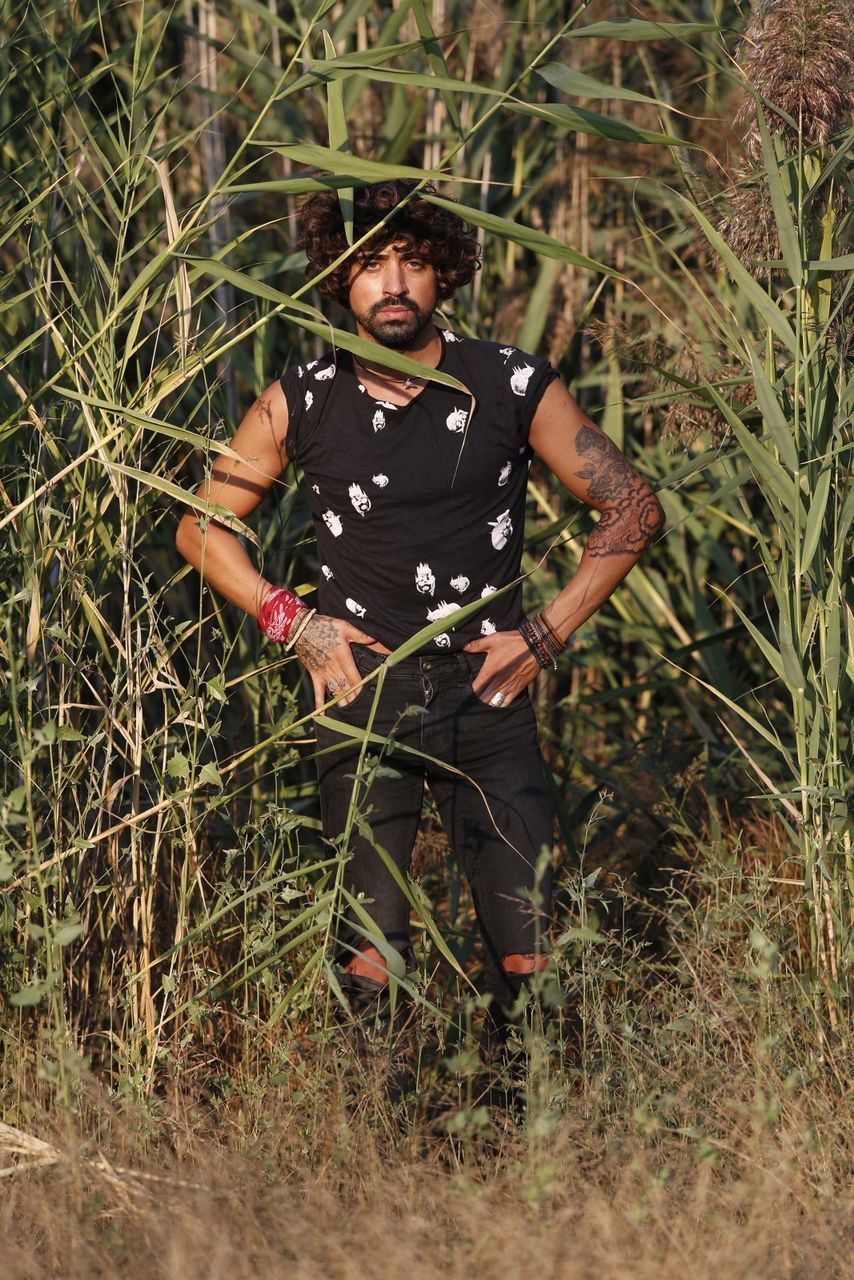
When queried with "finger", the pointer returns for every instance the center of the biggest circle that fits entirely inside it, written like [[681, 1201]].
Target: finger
[[485, 679], [352, 677], [353, 633], [475, 646], [319, 693], [489, 693]]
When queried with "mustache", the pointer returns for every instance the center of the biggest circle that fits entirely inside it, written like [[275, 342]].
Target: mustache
[[379, 307]]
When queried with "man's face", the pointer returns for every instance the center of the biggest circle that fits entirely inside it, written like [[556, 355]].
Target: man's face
[[393, 296]]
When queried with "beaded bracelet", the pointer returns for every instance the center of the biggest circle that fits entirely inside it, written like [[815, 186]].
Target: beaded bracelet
[[278, 612], [542, 639], [299, 627]]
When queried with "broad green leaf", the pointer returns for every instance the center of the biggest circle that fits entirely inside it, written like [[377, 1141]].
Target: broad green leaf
[[406, 79], [791, 662], [765, 465], [635, 29], [29, 996], [580, 933], [205, 443], [221, 514], [178, 766], [772, 412], [526, 237], [764, 306], [339, 138], [578, 84], [845, 263], [435, 58], [354, 166], [583, 120], [209, 775], [774, 657], [67, 933], [789, 242], [817, 506], [359, 60], [833, 637]]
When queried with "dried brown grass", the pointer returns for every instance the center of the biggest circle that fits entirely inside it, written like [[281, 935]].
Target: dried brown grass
[[588, 1203]]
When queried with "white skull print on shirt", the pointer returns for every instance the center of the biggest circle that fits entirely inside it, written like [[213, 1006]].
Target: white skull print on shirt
[[309, 399], [425, 579], [520, 379], [355, 607], [359, 499], [443, 610], [435, 490], [502, 528], [487, 627]]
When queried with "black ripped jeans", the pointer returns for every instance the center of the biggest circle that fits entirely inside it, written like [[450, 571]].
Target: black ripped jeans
[[498, 817]]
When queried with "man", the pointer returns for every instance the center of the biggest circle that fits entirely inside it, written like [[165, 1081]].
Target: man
[[417, 492]]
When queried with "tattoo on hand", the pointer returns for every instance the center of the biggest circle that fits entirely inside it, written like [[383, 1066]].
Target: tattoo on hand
[[317, 642], [631, 513]]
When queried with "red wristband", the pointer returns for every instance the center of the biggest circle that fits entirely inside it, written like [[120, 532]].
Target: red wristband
[[278, 613]]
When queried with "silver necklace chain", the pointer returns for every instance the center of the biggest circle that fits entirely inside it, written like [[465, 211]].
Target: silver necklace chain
[[407, 383]]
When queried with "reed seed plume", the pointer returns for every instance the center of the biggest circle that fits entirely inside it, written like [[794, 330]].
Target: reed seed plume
[[799, 55]]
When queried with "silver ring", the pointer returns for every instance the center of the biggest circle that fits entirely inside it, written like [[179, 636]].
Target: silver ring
[[332, 685], [496, 699]]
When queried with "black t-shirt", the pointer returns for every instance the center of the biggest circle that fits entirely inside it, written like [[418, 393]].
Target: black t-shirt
[[419, 508]]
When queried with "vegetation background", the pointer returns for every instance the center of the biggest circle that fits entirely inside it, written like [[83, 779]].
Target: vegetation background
[[664, 197]]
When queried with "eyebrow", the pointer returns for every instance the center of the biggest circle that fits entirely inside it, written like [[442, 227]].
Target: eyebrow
[[382, 254]]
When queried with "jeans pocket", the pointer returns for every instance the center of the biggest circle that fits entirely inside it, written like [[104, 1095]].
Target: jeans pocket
[[476, 661], [366, 660]]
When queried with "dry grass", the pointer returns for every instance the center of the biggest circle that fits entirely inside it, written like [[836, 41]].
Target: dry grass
[[260, 1194]]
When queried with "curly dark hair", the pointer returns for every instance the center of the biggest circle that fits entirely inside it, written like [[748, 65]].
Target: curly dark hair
[[436, 235]]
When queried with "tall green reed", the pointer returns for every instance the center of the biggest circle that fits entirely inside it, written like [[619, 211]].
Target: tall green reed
[[164, 874]]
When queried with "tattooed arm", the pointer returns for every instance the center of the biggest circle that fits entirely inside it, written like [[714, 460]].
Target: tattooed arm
[[238, 485], [592, 468]]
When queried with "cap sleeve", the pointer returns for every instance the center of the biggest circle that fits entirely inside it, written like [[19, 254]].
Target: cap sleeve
[[528, 377], [293, 384]]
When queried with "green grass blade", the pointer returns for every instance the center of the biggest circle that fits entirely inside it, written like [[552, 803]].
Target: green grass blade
[[339, 138]]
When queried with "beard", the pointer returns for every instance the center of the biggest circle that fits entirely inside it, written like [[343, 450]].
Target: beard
[[398, 333]]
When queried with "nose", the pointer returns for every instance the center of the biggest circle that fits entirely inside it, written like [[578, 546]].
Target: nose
[[394, 280]]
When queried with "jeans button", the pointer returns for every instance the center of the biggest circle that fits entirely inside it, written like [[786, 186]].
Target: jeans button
[[428, 665]]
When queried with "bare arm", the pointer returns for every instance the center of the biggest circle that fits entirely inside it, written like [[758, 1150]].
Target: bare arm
[[209, 546], [591, 467], [324, 646]]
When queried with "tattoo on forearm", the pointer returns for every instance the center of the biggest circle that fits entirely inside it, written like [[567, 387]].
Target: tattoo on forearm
[[317, 642], [631, 513]]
